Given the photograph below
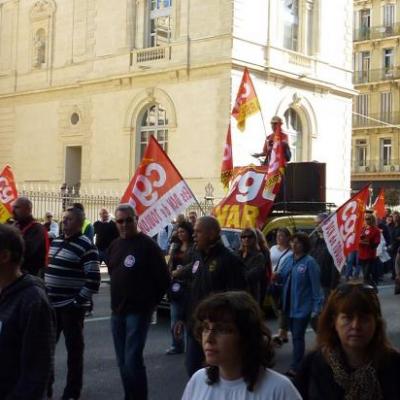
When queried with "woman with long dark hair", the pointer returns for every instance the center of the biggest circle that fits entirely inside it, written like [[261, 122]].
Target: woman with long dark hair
[[255, 263], [354, 359], [238, 352], [181, 254]]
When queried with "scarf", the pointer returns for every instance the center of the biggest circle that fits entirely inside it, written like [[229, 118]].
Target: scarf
[[359, 384]]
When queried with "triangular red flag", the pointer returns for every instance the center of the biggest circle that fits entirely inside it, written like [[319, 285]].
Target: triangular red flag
[[227, 160], [379, 205], [8, 193], [157, 190], [246, 102], [342, 229]]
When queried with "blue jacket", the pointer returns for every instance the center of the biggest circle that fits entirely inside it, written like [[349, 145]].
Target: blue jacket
[[305, 289]]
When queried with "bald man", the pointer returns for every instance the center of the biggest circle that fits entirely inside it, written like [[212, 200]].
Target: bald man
[[214, 269], [34, 234]]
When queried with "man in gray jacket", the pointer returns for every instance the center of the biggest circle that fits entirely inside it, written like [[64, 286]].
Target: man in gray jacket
[[27, 325]]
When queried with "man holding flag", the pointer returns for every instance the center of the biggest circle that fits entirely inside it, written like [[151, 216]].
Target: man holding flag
[[276, 124]]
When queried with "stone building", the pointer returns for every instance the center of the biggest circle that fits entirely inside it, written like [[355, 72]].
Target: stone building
[[83, 83], [376, 120]]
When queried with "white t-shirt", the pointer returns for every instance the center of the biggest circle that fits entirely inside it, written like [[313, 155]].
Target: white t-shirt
[[271, 386], [276, 255]]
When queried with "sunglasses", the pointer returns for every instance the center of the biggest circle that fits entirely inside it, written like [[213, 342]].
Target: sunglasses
[[128, 220], [346, 288], [247, 236]]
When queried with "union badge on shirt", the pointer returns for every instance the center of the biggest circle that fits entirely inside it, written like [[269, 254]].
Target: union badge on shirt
[[129, 261]]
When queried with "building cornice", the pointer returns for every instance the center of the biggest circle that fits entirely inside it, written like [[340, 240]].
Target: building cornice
[[295, 79], [119, 79]]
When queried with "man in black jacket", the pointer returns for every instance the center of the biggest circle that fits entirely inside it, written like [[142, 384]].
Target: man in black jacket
[[139, 279], [106, 231], [27, 325], [34, 234], [214, 269]]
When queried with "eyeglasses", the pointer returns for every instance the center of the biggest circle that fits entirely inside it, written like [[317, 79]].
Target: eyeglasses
[[128, 220], [247, 237], [218, 329], [346, 288]]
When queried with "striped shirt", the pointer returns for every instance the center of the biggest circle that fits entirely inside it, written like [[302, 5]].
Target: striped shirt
[[73, 273]]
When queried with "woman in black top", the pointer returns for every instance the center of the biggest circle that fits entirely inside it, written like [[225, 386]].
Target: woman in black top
[[354, 359], [255, 264], [181, 254]]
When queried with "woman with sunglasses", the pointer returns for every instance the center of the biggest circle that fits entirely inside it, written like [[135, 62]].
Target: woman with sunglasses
[[238, 352], [255, 263], [181, 254], [353, 358]]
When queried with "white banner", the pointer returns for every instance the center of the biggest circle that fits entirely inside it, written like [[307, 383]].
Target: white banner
[[161, 213], [334, 241]]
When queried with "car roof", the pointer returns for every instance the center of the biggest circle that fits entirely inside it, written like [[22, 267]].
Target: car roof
[[291, 222]]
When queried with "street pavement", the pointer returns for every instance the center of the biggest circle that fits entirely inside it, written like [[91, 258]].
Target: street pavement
[[166, 374]]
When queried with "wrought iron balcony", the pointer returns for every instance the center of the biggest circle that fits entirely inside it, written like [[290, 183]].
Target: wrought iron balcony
[[391, 166], [376, 120], [376, 75], [376, 32]]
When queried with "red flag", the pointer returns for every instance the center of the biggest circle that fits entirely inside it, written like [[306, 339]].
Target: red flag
[[8, 193], [227, 161], [250, 198], [157, 191], [342, 229], [379, 205], [246, 103]]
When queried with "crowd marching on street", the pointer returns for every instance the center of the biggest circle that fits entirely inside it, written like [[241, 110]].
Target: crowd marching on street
[[49, 273]]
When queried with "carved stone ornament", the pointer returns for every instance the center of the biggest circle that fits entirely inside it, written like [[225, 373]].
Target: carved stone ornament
[[296, 100], [43, 9]]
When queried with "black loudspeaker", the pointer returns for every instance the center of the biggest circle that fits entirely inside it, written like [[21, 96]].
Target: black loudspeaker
[[303, 187]]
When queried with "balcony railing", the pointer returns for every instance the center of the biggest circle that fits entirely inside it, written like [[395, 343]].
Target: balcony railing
[[376, 75], [376, 32], [391, 166], [376, 120]]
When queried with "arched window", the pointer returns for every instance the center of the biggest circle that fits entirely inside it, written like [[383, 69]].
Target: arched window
[[152, 121], [39, 55], [294, 129]]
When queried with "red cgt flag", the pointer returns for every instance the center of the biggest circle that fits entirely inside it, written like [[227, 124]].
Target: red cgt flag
[[379, 205], [227, 161], [246, 103], [342, 229], [8, 193], [157, 191]]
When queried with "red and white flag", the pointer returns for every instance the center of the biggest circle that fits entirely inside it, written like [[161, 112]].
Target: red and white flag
[[157, 191], [342, 229], [379, 205], [8, 193], [227, 160]]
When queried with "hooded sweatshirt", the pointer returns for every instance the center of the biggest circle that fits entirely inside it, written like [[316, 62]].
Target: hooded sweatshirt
[[27, 339]]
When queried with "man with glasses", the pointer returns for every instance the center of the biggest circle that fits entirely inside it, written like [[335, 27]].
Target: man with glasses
[[139, 279], [71, 279]]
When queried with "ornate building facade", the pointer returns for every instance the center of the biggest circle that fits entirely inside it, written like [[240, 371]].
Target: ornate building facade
[[83, 83], [376, 118]]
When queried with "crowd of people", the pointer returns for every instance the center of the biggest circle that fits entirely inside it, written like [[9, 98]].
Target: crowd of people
[[50, 272]]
